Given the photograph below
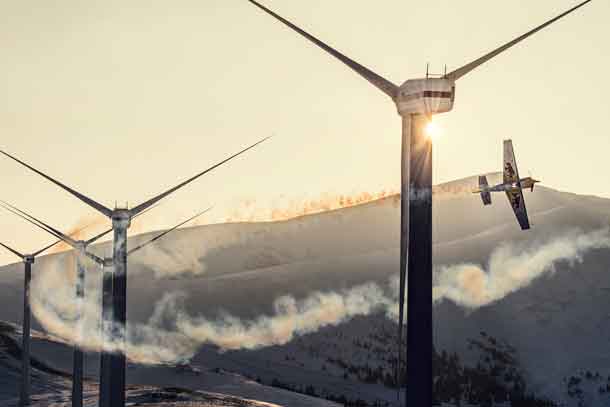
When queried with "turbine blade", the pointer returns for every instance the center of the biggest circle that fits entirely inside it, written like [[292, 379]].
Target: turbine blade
[[94, 238], [49, 229], [159, 236], [77, 231], [458, 73], [146, 210], [15, 252], [97, 206], [93, 257], [44, 249], [38, 223], [24, 216], [376, 80], [135, 211]]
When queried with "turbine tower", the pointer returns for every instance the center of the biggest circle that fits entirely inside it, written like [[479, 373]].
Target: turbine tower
[[112, 372], [28, 260], [81, 247], [103, 262], [416, 101]]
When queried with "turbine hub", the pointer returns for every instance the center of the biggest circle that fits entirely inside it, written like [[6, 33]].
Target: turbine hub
[[121, 218], [425, 96]]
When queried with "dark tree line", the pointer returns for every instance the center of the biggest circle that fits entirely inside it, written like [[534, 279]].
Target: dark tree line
[[583, 385], [495, 377]]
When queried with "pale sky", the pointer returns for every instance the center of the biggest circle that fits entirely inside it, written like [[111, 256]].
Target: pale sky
[[122, 100]]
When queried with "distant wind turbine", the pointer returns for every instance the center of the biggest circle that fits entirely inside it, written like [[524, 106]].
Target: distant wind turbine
[[81, 251], [112, 372], [81, 247], [416, 101], [28, 260]]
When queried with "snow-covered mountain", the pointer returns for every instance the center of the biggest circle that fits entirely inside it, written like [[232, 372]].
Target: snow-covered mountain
[[177, 385], [556, 318]]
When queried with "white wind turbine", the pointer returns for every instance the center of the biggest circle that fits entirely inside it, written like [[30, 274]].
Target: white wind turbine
[[80, 247], [416, 100], [112, 371]]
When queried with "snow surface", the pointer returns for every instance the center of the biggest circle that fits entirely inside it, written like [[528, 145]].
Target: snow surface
[[558, 324]]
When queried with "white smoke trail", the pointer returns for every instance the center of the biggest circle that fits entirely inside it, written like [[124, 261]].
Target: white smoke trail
[[290, 318], [54, 305], [171, 262], [511, 267]]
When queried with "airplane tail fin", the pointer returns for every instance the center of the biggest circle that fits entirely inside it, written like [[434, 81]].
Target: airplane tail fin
[[483, 185]]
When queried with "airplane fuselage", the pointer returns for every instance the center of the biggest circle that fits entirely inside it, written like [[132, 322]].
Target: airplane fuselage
[[524, 183]]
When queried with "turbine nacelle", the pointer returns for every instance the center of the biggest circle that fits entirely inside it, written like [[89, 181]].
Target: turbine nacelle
[[121, 218], [426, 96]]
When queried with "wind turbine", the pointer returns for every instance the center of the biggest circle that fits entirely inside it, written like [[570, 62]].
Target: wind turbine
[[81, 250], [28, 260], [112, 372], [416, 101]]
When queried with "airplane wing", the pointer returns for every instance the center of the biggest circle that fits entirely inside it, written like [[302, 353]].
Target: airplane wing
[[511, 174], [515, 197]]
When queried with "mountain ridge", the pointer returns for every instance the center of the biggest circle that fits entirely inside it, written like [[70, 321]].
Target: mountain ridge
[[242, 268]]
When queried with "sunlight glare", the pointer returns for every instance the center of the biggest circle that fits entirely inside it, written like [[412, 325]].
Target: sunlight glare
[[433, 130]]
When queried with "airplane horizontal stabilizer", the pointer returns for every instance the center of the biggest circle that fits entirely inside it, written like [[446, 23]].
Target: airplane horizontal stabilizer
[[483, 185]]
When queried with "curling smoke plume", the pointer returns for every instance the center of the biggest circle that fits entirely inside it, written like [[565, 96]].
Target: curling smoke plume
[[290, 318], [510, 267], [60, 315], [177, 260]]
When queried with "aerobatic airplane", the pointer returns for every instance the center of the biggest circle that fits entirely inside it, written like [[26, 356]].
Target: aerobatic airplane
[[512, 185]]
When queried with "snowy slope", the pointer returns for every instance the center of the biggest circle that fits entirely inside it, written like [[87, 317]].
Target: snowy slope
[[51, 384], [241, 268]]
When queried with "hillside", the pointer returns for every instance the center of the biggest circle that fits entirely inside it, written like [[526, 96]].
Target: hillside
[[543, 291], [51, 382]]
